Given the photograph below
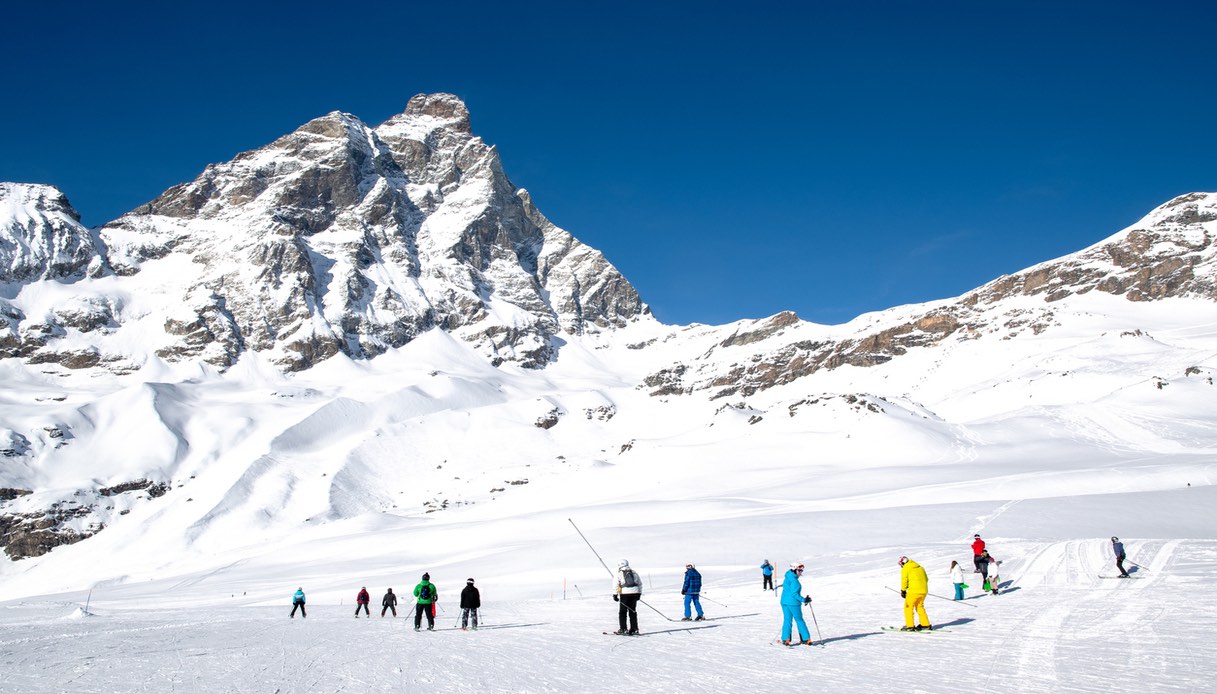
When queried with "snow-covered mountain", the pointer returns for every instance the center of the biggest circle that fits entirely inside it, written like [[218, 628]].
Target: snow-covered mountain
[[359, 329]]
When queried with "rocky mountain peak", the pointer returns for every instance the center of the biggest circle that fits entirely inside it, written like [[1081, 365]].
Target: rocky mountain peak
[[339, 238]]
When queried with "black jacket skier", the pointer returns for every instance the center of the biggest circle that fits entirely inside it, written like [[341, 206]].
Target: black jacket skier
[[388, 602], [471, 600]]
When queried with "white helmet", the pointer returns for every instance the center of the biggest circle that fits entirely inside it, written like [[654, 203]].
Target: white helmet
[[624, 563]]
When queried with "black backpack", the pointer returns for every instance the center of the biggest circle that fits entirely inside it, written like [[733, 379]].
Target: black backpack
[[629, 578], [425, 592]]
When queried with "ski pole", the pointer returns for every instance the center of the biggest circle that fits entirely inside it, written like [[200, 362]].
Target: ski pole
[[703, 596], [813, 621], [644, 602], [593, 549], [957, 602]]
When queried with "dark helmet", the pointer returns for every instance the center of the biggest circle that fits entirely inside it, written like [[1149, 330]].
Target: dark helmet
[[1114, 538]]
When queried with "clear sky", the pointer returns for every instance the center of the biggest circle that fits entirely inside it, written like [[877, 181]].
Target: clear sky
[[732, 159]]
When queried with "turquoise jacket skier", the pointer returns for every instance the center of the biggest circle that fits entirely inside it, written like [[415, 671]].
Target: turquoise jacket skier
[[792, 605]]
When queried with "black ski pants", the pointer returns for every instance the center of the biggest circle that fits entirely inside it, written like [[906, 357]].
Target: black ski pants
[[301, 606], [1120, 565], [768, 584], [386, 608], [629, 610], [364, 605], [421, 609]]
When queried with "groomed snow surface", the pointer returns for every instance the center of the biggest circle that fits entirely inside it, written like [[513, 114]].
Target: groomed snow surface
[[1058, 625]]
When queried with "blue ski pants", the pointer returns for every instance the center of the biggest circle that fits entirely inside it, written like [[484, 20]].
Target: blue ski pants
[[959, 591], [795, 613], [695, 600]]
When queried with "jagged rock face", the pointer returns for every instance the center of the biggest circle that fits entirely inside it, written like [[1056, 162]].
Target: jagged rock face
[[1169, 253], [344, 238], [41, 236]]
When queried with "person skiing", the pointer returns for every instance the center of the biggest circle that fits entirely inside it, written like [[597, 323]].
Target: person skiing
[[388, 602], [425, 597], [766, 575], [1118, 548], [692, 592], [362, 600], [982, 562], [914, 586], [627, 591], [978, 546], [992, 579], [792, 606], [957, 579], [298, 602], [471, 600]]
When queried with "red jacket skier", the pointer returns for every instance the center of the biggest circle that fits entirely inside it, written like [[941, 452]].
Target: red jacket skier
[[978, 546], [362, 600]]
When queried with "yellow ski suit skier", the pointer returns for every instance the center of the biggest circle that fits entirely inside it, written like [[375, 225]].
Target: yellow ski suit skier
[[914, 586]]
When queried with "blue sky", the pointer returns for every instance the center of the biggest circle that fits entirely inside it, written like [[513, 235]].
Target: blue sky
[[732, 159]]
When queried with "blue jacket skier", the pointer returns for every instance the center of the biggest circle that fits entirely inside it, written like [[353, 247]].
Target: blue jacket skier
[[792, 605], [298, 603], [1117, 548], [766, 575], [692, 592]]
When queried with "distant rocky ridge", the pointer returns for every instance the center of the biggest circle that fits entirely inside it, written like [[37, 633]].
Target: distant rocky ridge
[[336, 238], [1170, 253]]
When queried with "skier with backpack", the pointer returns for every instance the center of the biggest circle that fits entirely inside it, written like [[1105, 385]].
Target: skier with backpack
[[425, 595], [792, 606], [388, 602], [298, 603], [361, 601], [471, 600], [692, 592], [627, 591]]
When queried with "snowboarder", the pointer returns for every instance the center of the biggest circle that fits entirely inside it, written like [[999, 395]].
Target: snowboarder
[[766, 575], [388, 602], [978, 546], [957, 579], [792, 606], [992, 579], [471, 600], [692, 592], [425, 596], [627, 590], [914, 586], [298, 602], [362, 600], [1118, 548]]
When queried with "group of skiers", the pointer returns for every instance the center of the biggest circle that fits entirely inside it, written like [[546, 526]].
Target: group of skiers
[[627, 592], [426, 597]]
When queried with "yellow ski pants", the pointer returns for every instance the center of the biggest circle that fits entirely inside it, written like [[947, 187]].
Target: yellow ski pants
[[915, 601]]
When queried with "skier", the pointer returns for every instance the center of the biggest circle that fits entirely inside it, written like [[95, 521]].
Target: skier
[[792, 606], [627, 590], [978, 546], [914, 586], [425, 595], [362, 600], [1118, 548], [982, 562], [388, 602], [471, 600], [766, 575], [692, 592], [957, 579], [298, 602], [992, 579]]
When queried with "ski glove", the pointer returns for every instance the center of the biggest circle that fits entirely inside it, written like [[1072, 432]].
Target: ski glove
[[902, 593], [615, 599], [683, 592], [807, 601]]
